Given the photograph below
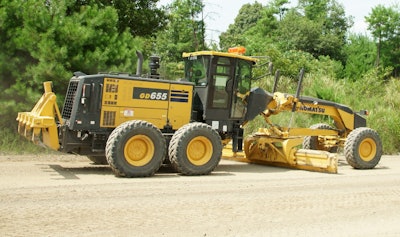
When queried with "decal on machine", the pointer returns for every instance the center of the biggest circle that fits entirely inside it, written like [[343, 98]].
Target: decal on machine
[[150, 94], [316, 109]]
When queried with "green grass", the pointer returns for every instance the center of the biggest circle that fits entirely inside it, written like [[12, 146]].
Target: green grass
[[12, 143]]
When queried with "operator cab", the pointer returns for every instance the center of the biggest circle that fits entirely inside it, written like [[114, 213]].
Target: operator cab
[[219, 78]]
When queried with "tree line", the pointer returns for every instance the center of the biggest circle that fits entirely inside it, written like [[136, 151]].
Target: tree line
[[49, 40]]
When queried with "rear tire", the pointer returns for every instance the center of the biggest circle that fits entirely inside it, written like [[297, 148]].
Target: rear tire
[[195, 149], [135, 149], [363, 148], [312, 143]]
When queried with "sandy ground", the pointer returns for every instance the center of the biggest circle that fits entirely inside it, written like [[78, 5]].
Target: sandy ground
[[68, 196]]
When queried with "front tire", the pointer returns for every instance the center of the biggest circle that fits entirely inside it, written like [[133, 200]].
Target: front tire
[[135, 149], [195, 149], [363, 148]]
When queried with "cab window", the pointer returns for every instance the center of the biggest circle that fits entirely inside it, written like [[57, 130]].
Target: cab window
[[196, 69]]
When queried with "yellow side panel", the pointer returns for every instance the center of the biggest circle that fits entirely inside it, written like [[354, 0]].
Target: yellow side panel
[[114, 116], [159, 103], [135, 93], [180, 105]]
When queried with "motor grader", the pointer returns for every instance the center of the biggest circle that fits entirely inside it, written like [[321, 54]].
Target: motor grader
[[136, 123], [313, 148]]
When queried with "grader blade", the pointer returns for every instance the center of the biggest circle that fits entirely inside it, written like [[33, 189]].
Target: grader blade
[[39, 125], [283, 153], [313, 160]]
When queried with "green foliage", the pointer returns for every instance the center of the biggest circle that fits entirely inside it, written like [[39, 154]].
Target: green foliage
[[175, 71], [42, 42], [325, 88], [320, 30], [383, 22], [360, 53], [316, 27], [140, 17], [185, 31], [387, 123], [380, 98], [10, 143], [297, 32], [249, 15]]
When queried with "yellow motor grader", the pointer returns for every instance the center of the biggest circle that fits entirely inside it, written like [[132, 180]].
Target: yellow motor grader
[[313, 148], [136, 123]]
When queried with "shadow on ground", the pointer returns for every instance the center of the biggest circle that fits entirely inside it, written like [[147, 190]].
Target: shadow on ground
[[68, 171]]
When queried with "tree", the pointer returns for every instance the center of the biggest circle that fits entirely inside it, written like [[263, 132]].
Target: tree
[[317, 27], [249, 15], [255, 26], [40, 41], [314, 10], [297, 32], [383, 22], [360, 56], [185, 31], [141, 17]]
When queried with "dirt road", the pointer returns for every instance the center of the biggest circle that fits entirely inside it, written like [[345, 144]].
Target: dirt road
[[67, 196]]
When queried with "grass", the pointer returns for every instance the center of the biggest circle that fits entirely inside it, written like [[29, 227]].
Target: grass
[[13, 144]]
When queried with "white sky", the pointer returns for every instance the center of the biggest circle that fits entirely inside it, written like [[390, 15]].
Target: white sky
[[219, 14]]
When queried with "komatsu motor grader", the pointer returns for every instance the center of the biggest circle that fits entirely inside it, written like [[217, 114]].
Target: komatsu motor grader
[[281, 145], [136, 123]]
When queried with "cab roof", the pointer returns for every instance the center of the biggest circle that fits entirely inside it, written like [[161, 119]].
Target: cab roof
[[222, 54]]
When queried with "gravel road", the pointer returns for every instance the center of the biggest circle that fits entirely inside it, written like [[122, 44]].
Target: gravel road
[[67, 196]]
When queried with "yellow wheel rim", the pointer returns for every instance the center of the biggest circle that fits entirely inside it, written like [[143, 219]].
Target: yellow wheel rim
[[139, 150], [199, 150], [367, 149]]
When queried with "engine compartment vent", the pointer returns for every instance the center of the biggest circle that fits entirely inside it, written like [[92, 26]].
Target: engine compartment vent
[[109, 118]]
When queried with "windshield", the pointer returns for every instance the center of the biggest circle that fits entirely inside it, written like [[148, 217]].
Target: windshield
[[196, 69]]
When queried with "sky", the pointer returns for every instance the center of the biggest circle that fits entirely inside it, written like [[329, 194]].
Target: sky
[[219, 14]]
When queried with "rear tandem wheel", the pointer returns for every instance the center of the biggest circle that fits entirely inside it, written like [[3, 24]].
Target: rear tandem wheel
[[195, 149], [135, 149]]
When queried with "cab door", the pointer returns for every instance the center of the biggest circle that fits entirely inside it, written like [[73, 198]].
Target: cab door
[[220, 88], [241, 85]]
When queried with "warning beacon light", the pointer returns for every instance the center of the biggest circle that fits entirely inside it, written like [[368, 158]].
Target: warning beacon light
[[237, 50]]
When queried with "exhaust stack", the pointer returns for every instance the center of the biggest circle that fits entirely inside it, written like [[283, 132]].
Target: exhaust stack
[[139, 63]]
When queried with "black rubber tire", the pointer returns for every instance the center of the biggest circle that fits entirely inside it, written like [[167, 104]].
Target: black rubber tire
[[363, 148], [195, 149], [133, 143], [98, 160], [311, 142]]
